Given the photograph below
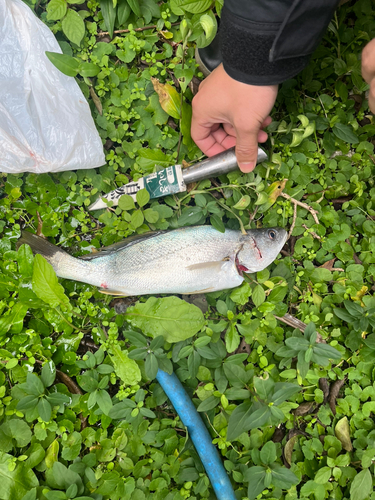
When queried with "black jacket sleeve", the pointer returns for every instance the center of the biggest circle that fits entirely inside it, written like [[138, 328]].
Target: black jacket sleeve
[[265, 42]]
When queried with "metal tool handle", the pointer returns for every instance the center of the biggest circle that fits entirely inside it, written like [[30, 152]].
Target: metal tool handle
[[216, 165]]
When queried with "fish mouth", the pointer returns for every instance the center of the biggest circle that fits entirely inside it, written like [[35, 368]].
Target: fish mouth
[[240, 268]]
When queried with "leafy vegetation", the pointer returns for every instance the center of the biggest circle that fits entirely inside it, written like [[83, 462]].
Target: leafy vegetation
[[289, 408]]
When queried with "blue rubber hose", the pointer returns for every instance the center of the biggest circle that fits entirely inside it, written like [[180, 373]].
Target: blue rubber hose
[[198, 434]]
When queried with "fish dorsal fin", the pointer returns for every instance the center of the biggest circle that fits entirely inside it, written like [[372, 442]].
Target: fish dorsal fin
[[131, 240]]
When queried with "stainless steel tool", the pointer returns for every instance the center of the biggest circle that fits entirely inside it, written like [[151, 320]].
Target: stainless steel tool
[[174, 179]]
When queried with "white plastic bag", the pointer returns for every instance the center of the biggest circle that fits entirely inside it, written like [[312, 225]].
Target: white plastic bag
[[45, 121]]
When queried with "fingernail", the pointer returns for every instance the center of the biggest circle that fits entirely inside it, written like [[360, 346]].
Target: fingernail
[[247, 167]]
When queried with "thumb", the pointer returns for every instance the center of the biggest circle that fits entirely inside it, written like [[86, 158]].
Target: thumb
[[371, 96], [247, 149]]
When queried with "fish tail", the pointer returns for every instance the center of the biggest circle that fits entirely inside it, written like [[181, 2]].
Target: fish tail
[[64, 265]]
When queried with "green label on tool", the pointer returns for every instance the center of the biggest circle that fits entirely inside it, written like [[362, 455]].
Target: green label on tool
[[164, 182]]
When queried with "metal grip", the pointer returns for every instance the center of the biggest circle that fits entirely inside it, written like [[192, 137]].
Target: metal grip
[[216, 165]]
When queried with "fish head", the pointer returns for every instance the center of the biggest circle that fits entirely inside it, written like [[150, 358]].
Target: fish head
[[260, 248]]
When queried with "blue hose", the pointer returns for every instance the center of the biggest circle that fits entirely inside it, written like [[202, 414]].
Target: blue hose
[[199, 435]]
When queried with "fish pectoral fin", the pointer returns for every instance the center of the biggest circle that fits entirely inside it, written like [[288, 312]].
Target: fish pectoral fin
[[213, 265], [106, 291]]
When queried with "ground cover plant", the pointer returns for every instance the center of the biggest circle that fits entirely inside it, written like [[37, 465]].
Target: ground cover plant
[[289, 406]]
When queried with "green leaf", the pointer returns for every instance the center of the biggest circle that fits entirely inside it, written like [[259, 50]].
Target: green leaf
[[56, 9], [15, 483], [268, 453], [284, 391], [255, 477], [25, 261], [20, 431], [52, 454], [45, 284], [236, 375], [34, 385], [125, 368], [238, 421], [151, 366], [208, 404], [137, 219], [259, 417], [258, 296], [58, 399], [217, 223], [44, 409], [151, 215], [187, 112], [140, 353], [134, 5], [206, 352], [209, 25], [184, 77], [88, 69], [126, 202], [232, 338], [109, 14], [123, 12], [87, 382], [14, 319], [241, 294], [264, 387], [121, 410], [282, 477], [71, 448], [361, 486], [104, 401], [276, 415], [190, 216], [135, 338], [36, 454], [48, 374], [243, 203], [73, 26], [323, 475], [194, 6], [170, 317], [147, 412], [345, 133], [297, 343], [143, 197], [30, 495], [27, 403]]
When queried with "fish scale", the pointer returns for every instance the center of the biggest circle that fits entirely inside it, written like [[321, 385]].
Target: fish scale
[[186, 260]]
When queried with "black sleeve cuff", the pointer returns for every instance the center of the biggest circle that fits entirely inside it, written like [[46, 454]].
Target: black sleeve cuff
[[246, 46]]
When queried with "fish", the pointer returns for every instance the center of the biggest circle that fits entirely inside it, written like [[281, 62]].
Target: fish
[[195, 259]]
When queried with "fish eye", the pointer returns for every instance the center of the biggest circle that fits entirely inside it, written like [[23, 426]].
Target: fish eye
[[272, 234]]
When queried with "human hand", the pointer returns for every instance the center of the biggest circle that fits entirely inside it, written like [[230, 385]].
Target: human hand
[[229, 113], [368, 71]]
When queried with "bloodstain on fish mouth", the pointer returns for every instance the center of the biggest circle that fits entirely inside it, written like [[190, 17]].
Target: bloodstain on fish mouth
[[240, 267]]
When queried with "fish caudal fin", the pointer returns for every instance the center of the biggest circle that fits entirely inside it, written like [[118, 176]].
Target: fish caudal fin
[[52, 253]]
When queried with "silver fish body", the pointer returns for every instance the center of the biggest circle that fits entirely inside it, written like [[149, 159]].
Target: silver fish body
[[194, 259]]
